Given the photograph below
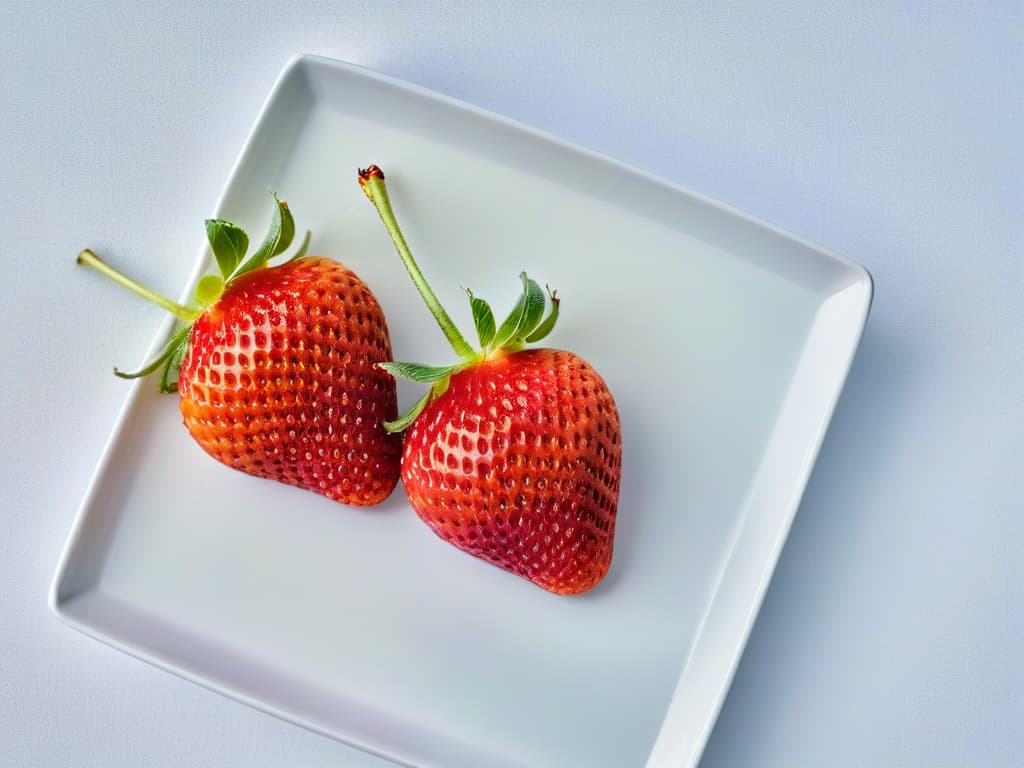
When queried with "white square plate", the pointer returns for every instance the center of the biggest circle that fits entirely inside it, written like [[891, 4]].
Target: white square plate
[[725, 341]]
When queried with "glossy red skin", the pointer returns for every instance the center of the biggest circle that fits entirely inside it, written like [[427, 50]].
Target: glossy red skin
[[279, 382], [518, 463]]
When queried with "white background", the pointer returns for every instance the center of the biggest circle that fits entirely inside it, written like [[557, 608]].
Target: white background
[[893, 633]]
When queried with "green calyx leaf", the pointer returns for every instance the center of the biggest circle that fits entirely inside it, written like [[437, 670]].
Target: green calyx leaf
[[172, 353], [287, 229], [423, 374], [229, 244], [173, 366], [437, 376], [524, 318], [279, 236], [483, 318], [548, 325], [402, 422]]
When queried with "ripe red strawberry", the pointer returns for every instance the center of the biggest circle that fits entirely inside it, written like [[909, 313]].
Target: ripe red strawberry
[[277, 373], [512, 455]]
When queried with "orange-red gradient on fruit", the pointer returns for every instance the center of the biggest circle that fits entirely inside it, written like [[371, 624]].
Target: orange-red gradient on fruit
[[518, 463], [279, 381]]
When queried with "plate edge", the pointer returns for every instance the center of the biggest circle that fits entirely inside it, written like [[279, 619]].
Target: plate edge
[[357, 70], [663, 755]]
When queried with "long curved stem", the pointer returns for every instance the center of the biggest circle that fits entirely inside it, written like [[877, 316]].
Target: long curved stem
[[90, 259], [372, 182]]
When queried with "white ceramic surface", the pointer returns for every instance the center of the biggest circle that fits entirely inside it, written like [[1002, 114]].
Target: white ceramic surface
[[725, 341]]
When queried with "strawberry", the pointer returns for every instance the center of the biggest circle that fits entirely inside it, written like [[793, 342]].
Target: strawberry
[[513, 455], [276, 370]]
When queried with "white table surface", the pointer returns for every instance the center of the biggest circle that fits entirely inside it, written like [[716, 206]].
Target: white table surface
[[893, 633]]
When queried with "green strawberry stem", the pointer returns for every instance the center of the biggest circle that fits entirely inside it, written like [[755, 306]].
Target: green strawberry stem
[[89, 259], [525, 324], [372, 182]]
